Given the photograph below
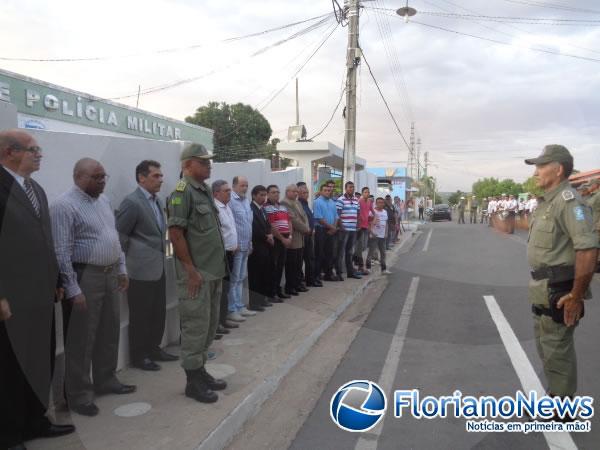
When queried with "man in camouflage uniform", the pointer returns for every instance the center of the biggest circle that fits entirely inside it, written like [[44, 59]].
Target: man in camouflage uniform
[[199, 266], [562, 251]]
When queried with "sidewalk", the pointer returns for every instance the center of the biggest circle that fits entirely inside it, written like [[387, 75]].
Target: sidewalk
[[252, 359]]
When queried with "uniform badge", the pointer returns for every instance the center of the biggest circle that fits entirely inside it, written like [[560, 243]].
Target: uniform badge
[[176, 201], [579, 214], [567, 195], [182, 184]]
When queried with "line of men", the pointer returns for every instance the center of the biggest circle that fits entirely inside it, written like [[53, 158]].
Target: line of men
[[80, 252]]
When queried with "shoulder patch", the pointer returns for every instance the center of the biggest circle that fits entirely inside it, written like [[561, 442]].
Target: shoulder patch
[[176, 201], [579, 213], [567, 195], [181, 186]]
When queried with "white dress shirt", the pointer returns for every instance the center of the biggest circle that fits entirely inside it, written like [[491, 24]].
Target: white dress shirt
[[228, 229]]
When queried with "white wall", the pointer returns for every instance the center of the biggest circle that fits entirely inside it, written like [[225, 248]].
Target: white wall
[[258, 171]]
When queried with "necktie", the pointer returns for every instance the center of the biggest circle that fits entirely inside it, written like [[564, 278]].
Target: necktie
[[157, 212], [31, 195]]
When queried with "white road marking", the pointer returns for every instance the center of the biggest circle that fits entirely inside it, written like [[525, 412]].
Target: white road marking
[[369, 441], [524, 369], [426, 246]]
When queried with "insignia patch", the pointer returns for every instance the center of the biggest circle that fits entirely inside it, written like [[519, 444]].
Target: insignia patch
[[176, 201], [567, 195], [182, 184], [579, 214]]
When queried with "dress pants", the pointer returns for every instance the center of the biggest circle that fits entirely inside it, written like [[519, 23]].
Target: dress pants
[[92, 335], [324, 252], [308, 255], [147, 311], [224, 306], [26, 359], [345, 251], [260, 272], [279, 254], [293, 266]]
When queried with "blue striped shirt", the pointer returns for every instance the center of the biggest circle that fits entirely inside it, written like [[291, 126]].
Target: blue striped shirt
[[242, 213], [84, 232]]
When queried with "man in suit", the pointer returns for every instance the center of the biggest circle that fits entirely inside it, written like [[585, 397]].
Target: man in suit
[[142, 226], [28, 281], [260, 261]]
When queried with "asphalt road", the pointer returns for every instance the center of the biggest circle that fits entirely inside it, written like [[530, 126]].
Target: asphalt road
[[433, 330]]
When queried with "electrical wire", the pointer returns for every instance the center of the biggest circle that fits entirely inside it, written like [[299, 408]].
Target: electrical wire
[[553, 6], [332, 114], [385, 101], [167, 50]]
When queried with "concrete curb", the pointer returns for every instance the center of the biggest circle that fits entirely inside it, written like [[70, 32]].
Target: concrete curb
[[231, 425]]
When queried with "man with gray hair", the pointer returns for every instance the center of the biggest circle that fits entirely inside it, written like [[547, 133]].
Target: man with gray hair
[[93, 273]]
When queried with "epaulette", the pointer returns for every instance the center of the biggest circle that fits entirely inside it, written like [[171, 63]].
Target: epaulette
[[567, 195], [181, 186]]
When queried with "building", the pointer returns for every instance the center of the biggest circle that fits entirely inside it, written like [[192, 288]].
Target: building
[[44, 106], [391, 180]]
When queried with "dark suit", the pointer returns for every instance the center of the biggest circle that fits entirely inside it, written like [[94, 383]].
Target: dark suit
[[143, 239], [28, 279], [260, 261]]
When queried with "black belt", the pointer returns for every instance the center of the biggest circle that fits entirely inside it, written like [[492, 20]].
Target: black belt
[[541, 310], [104, 269], [555, 274]]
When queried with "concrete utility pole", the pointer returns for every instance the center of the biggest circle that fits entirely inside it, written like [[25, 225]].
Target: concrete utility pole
[[352, 62], [419, 159], [411, 156]]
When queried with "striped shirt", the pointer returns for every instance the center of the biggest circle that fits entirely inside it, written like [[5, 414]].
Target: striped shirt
[[242, 212], [347, 209], [278, 217], [84, 232]]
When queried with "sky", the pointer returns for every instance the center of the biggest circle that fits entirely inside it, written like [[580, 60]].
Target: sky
[[479, 107]]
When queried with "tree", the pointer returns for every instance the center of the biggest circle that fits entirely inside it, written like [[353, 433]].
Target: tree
[[491, 187], [454, 198], [531, 186], [241, 132], [427, 187]]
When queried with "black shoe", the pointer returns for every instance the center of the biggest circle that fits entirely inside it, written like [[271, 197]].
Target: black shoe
[[339, 278], [222, 330], [197, 389], [303, 289], [161, 355], [212, 383], [256, 308], [293, 292], [266, 304], [277, 300], [281, 295], [355, 276], [146, 364], [316, 284], [329, 278], [229, 324], [119, 389], [85, 409], [52, 430]]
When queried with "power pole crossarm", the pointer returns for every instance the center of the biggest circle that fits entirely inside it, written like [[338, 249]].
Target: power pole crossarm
[[352, 63]]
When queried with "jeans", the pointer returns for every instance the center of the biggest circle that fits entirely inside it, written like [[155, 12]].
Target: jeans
[[362, 244], [345, 251], [375, 244], [239, 272]]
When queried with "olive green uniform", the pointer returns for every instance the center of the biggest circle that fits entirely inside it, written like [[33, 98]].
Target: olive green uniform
[[560, 226], [473, 211], [191, 207], [461, 211], [594, 202]]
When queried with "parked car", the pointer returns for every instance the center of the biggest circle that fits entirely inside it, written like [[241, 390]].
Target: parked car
[[441, 212]]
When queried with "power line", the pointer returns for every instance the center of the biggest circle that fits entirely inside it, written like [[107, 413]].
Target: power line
[[553, 6], [385, 101], [166, 50], [177, 83], [333, 113], [495, 41]]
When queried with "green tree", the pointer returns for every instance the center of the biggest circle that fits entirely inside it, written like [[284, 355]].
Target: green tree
[[241, 132], [455, 197], [491, 187], [530, 186]]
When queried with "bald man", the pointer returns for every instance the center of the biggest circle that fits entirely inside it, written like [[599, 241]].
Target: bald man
[[28, 281], [92, 270]]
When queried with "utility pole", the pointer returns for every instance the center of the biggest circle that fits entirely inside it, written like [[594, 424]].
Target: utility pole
[[425, 170], [419, 159], [352, 62], [411, 155], [297, 105]]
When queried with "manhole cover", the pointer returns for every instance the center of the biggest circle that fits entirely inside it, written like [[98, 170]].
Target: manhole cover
[[133, 409]]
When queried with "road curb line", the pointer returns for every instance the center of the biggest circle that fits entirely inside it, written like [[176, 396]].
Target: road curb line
[[233, 423]]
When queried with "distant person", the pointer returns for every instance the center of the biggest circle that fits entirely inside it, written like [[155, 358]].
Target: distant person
[[391, 221], [366, 215], [473, 209], [325, 214], [421, 209], [308, 251], [378, 235], [348, 207], [461, 210]]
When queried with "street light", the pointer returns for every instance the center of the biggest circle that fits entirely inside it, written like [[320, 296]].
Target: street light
[[406, 12]]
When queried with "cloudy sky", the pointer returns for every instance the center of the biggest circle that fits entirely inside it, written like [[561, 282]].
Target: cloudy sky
[[479, 106]]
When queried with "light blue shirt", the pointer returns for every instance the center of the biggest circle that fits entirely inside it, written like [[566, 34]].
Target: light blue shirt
[[324, 208], [153, 200], [242, 213]]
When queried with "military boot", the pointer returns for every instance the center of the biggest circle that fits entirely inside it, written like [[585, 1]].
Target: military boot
[[212, 382], [197, 389]]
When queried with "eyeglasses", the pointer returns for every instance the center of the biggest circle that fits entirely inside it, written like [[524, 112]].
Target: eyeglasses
[[100, 177], [33, 149]]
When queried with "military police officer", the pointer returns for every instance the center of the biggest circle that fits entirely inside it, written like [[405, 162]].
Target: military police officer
[[561, 251], [473, 209], [200, 267], [461, 210]]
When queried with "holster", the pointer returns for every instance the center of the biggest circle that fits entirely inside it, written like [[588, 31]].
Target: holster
[[555, 292]]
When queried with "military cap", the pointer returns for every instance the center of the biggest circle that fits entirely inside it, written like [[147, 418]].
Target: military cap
[[194, 150], [552, 153]]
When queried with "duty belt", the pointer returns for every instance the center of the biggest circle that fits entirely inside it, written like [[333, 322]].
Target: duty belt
[[104, 269], [555, 274], [541, 310]]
